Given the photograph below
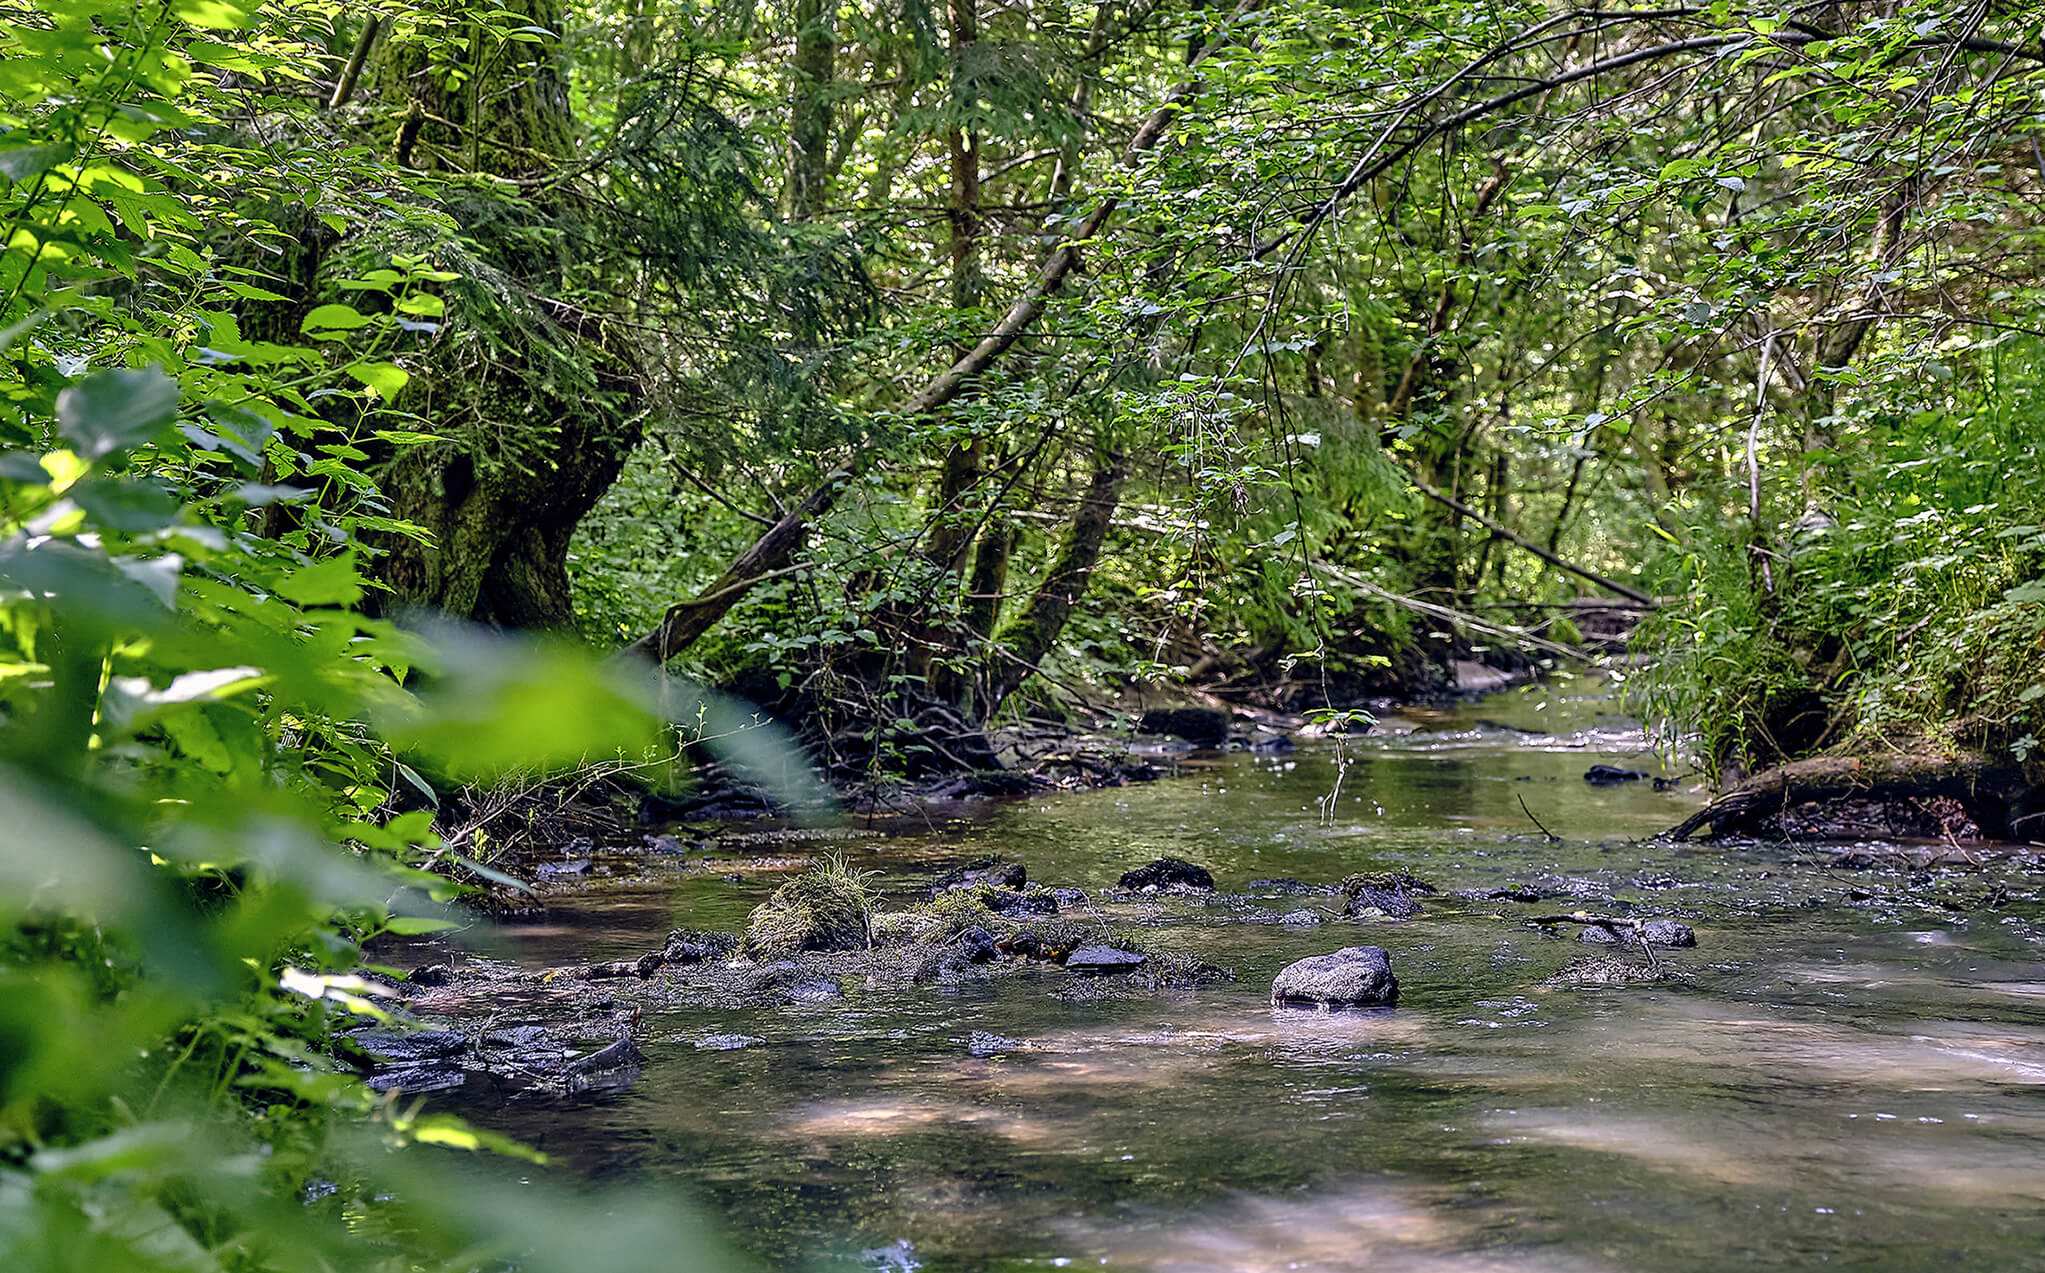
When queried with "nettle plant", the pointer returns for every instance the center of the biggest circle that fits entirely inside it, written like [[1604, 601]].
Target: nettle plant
[[204, 737]]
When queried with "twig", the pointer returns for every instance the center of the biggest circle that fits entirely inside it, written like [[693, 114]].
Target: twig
[[1611, 925], [1552, 837]]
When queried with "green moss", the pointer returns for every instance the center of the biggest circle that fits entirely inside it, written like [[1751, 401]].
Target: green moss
[[954, 912], [901, 928], [827, 907]]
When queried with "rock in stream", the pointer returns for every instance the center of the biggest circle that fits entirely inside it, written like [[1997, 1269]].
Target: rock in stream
[[1353, 977]]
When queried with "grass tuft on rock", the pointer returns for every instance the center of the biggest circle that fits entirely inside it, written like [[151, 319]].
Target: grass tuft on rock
[[827, 907]]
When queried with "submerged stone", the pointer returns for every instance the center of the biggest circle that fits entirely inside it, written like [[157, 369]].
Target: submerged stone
[[995, 874], [389, 1047], [430, 975], [693, 946], [517, 1036], [1168, 873], [1611, 775], [726, 1042], [976, 944], [986, 1043], [412, 1079], [1387, 895], [1097, 958], [1667, 932], [815, 990], [1035, 901], [1353, 977], [643, 967], [1655, 932], [1284, 884]]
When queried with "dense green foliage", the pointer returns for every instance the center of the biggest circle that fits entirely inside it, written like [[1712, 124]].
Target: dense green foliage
[[907, 369]]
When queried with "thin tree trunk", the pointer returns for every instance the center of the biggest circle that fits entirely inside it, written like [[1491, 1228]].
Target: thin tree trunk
[[688, 620], [767, 558], [984, 595], [344, 88], [809, 125], [951, 536], [1024, 642]]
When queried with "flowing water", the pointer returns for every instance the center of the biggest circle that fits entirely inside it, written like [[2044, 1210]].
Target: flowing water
[[1848, 1071]]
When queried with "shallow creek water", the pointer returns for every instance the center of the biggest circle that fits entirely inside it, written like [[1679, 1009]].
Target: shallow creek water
[[1849, 1070]]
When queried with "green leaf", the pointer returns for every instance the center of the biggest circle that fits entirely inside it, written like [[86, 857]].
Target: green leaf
[[115, 410], [2033, 591], [408, 437], [117, 504], [497, 706], [384, 378], [332, 582], [418, 925], [196, 737], [334, 317], [216, 15], [24, 163]]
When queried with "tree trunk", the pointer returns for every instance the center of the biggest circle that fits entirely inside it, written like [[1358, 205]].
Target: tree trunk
[[951, 535], [1022, 645], [501, 522], [1989, 792], [809, 124]]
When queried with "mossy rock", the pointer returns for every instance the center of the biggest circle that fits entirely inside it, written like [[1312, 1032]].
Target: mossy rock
[[902, 928], [825, 908], [953, 913]]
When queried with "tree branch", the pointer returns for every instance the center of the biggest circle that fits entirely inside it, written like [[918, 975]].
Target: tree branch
[[1500, 532]]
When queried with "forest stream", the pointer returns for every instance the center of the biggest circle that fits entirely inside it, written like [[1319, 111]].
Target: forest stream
[[1845, 1071]]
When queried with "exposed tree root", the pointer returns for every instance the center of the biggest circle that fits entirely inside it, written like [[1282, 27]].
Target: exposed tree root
[[1992, 794]]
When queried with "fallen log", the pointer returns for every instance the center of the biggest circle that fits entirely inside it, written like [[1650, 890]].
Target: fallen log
[[1989, 792]]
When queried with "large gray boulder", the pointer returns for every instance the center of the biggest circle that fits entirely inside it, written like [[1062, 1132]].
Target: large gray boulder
[[1353, 977]]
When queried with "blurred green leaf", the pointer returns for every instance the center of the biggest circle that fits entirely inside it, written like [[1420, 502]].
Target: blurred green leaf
[[116, 410]]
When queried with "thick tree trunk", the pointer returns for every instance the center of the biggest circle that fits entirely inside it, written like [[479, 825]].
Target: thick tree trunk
[[500, 516], [500, 539], [1990, 793]]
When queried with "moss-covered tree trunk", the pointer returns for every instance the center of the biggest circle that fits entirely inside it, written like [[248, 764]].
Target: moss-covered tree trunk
[[533, 448], [810, 103]]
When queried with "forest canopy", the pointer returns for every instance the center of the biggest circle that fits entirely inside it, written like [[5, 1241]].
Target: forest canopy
[[406, 397]]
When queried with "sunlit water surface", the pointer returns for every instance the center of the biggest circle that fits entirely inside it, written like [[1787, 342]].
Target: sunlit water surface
[[1852, 1074]]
